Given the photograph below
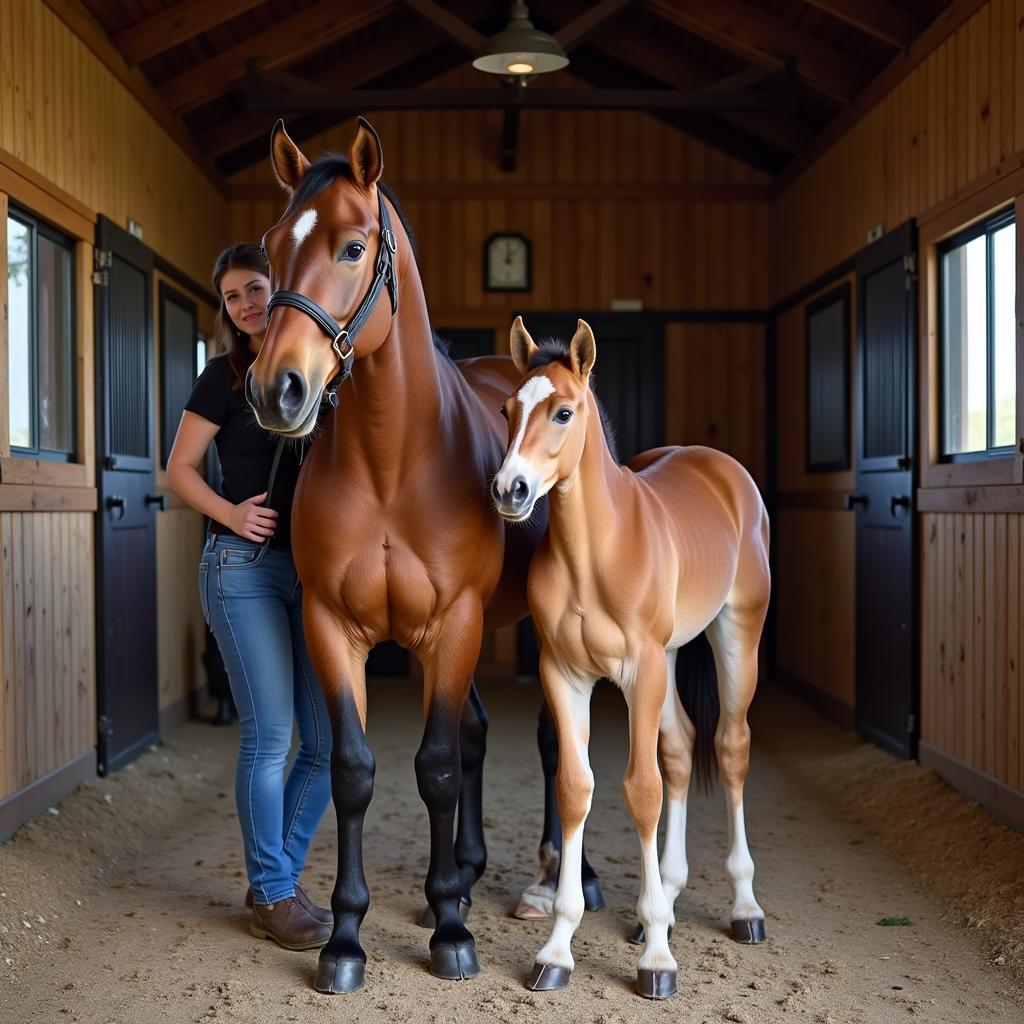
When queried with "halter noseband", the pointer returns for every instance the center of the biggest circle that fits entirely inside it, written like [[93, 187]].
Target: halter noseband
[[343, 338]]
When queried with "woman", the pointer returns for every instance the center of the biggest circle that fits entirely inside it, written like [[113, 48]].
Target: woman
[[252, 600]]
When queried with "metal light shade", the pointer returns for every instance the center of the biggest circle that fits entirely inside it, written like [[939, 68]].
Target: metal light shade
[[521, 49]]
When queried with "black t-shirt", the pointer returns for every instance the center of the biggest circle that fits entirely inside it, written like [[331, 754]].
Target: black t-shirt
[[245, 449]]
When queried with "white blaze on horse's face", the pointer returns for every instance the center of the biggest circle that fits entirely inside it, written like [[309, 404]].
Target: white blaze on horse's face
[[303, 226]]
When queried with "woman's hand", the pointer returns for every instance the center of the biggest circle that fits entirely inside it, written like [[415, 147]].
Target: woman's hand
[[249, 519]]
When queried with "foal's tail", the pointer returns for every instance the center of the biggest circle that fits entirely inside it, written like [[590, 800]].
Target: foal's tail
[[697, 683]]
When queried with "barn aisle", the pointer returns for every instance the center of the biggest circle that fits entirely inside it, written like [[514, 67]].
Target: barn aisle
[[127, 905]]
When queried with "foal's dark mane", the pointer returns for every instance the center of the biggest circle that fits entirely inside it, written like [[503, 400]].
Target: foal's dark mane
[[556, 350]]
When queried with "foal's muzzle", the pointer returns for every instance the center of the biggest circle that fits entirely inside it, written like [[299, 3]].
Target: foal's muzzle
[[515, 501], [280, 405]]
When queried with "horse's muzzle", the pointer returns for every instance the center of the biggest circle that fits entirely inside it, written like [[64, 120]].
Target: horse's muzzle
[[514, 502], [279, 406]]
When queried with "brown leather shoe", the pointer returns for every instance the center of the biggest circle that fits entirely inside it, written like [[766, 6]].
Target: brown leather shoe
[[323, 914], [289, 924]]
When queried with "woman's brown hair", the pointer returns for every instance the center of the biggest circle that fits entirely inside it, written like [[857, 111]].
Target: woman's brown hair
[[230, 340]]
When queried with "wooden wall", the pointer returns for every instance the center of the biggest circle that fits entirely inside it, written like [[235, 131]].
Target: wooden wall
[[616, 205], [48, 697], [65, 116], [945, 146]]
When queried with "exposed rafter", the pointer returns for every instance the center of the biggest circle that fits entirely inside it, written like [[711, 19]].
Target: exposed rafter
[[175, 25], [284, 43], [757, 36], [571, 35], [452, 26], [889, 22]]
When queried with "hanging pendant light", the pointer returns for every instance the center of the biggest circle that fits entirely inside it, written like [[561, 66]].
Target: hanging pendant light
[[520, 49]]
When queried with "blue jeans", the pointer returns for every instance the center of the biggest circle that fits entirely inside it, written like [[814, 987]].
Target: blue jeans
[[252, 600]]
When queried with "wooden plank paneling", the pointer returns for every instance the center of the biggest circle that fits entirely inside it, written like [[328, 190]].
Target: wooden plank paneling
[[48, 679]]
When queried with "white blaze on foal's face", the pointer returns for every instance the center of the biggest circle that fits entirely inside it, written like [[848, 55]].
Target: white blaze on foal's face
[[303, 226]]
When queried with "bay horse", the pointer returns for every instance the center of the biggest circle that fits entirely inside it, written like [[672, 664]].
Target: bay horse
[[393, 532], [638, 561]]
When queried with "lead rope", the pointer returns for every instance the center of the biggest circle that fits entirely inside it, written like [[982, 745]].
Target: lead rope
[[270, 483]]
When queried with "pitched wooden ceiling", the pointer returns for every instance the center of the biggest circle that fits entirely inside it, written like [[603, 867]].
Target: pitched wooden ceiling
[[320, 54]]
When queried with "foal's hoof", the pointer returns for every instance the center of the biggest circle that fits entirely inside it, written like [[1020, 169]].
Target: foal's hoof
[[454, 961], [749, 932], [639, 937], [535, 904], [656, 984], [548, 977], [592, 898], [335, 975], [427, 919]]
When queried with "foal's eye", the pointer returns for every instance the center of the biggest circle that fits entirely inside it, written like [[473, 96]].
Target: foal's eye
[[353, 251], [563, 415]]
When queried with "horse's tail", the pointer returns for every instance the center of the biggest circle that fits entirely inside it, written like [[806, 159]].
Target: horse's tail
[[697, 683]]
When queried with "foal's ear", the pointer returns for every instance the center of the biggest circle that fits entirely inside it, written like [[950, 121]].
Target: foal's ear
[[521, 344], [365, 156], [582, 350], [290, 165]]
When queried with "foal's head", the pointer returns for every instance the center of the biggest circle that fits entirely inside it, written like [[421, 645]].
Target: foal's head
[[547, 419], [325, 248]]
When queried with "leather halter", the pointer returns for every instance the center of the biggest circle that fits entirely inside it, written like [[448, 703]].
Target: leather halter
[[343, 338]]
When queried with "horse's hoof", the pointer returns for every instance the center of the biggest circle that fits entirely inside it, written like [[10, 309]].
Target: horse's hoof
[[335, 975], [454, 961], [639, 936], [592, 898], [548, 977], [534, 905], [657, 984], [749, 932], [427, 919]]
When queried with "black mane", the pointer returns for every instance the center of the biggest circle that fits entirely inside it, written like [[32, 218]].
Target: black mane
[[555, 350]]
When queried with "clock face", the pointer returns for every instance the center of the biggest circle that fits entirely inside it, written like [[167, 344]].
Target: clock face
[[507, 263]]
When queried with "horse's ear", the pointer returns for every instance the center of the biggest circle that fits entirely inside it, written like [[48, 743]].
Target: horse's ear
[[582, 350], [290, 166], [365, 156], [521, 345]]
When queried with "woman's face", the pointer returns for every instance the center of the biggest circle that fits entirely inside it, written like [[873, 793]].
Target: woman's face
[[245, 294]]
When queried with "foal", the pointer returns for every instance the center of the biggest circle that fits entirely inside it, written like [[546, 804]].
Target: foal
[[637, 562]]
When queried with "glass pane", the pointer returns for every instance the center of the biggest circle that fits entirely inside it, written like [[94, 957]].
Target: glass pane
[[19, 367], [1004, 399], [964, 318], [56, 344], [827, 388]]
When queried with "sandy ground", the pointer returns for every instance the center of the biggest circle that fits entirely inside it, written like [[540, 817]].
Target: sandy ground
[[127, 905]]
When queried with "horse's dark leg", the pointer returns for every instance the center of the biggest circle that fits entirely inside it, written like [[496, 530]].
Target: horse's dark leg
[[470, 847], [537, 900], [439, 777], [342, 961]]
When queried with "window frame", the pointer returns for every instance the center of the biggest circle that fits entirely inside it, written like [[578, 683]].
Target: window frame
[[985, 227], [38, 226]]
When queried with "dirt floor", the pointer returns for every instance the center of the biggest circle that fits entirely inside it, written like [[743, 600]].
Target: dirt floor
[[125, 903]]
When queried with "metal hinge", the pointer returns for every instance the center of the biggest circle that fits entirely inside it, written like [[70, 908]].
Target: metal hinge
[[106, 726], [102, 261], [911, 724], [910, 269]]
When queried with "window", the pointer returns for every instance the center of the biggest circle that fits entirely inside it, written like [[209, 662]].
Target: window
[[828, 385], [41, 339], [979, 343], [179, 343]]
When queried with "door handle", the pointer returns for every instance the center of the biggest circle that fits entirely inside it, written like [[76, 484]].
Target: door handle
[[115, 501], [851, 501], [899, 501], [157, 499]]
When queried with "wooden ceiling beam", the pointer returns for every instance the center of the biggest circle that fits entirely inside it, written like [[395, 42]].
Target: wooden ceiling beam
[[757, 36], [454, 27], [889, 22], [570, 36], [175, 25], [285, 43]]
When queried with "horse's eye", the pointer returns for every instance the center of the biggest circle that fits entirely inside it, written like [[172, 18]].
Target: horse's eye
[[563, 415], [353, 251]]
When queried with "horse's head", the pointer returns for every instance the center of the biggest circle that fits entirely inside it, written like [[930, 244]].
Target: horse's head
[[332, 256], [547, 419]]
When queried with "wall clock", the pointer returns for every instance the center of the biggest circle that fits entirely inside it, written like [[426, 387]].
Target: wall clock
[[507, 263]]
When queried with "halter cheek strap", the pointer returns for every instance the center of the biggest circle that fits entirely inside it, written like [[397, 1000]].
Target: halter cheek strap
[[343, 338]]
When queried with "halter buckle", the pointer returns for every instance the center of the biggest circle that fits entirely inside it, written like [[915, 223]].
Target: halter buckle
[[341, 338], [389, 240]]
